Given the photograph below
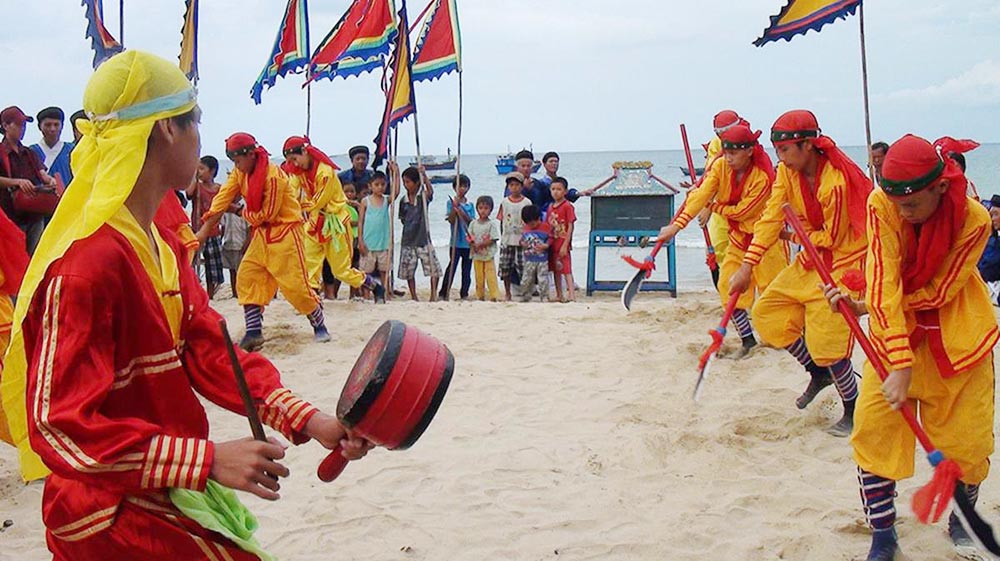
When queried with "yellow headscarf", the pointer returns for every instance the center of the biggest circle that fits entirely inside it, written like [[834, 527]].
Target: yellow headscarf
[[125, 96]]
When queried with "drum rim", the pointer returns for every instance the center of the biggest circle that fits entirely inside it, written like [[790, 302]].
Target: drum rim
[[435, 403], [390, 354]]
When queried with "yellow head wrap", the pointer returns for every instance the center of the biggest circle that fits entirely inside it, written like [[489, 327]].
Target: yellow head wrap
[[125, 96]]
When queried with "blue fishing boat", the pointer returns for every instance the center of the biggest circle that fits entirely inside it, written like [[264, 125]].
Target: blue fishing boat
[[507, 164]]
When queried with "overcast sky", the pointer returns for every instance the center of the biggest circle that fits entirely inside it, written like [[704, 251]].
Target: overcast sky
[[570, 75]]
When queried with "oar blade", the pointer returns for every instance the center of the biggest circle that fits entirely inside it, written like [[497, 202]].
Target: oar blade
[[702, 376], [632, 288], [978, 528]]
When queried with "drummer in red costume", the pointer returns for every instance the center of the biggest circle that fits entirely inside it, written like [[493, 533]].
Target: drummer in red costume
[[119, 343], [828, 192]]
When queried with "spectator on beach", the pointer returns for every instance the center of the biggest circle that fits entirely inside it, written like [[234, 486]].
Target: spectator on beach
[[989, 263], [511, 262], [358, 174], [562, 218], [235, 238], [878, 151], [459, 213], [20, 170], [52, 151], [959, 158], [78, 116], [483, 235], [550, 163], [534, 189], [536, 240], [416, 242], [201, 191], [373, 229]]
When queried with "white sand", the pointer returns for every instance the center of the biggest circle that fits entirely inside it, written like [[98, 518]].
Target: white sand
[[568, 433]]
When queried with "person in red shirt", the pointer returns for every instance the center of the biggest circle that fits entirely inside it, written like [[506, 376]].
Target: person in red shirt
[[202, 190], [20, 169], [562, 218]]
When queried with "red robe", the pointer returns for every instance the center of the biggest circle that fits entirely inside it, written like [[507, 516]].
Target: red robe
[[112, 405]]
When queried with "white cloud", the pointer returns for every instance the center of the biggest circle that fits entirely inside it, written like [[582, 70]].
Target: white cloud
[[978, 86]]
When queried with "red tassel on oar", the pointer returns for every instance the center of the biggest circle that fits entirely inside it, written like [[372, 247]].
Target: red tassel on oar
[[930, 502]]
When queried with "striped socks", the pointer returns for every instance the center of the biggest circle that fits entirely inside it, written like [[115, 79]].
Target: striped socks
[[878, 497], [800, 352], [254, 317], [845, 380], [742, 320], [316, 318]]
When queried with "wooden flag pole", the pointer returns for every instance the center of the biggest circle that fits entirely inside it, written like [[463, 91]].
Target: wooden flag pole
[[864, 84], [121, 22], [308, 104]]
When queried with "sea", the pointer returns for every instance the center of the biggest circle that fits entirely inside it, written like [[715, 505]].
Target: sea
[[587, 169]]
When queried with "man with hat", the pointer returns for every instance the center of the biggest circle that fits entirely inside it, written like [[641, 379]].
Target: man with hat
[[828, 192], [20, 169], [275, 257], [358, 174], [739, 183], [931, 324], [328, 237], [114, 342], [53, 152]]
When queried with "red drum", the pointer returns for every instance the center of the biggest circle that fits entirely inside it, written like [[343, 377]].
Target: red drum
[[393, 391]]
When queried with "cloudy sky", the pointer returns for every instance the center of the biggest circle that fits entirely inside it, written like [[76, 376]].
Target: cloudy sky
[[572, 75]]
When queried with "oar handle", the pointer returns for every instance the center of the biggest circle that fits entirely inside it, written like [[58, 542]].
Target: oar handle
[[730, 309], [852, 322], [696, 182]]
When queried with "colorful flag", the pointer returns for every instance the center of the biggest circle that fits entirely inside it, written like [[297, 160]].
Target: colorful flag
[[399, 100], [189, 41], [799, 16], [363, 33], [291, 48], [439, 45], [105, 46]]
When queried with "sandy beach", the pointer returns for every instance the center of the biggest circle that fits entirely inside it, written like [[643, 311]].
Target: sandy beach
[[568, 433]]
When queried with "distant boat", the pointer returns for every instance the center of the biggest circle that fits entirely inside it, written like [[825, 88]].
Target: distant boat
[[432, 164], [440, 179], [507, 164], [687, 172]]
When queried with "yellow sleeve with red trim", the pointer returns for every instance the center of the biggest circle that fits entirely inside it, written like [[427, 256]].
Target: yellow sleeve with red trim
[[752, 201], [227, 193], [772, 221], [329, 192], [832, 196], [71, 372], [884, 291], [697, 199], [714, 151], [960, 264]]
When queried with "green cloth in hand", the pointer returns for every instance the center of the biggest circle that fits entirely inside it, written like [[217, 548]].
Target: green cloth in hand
[[217, 508]]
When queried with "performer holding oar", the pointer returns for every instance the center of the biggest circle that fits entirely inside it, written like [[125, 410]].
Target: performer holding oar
[[828, 191], [118, 341], [740, 184], [710, 258], [933, 327]]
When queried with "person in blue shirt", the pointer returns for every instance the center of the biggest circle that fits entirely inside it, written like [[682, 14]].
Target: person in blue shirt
[[460, 213], [358, 174], [550, 163], [989, 263], [52, 151]]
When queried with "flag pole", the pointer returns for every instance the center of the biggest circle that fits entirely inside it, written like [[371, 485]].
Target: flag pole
[[121, 22], [864, 84], [308, 104]]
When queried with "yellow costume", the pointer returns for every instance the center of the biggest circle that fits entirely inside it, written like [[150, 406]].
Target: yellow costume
[[956, 407], [6, 317], [793, 302], [718, 226], [740, 218], [275, 257], [327, 226]]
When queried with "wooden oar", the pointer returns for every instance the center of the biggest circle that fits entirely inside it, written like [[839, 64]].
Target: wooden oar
[[710, 258], [930, 502], [645, 269]]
